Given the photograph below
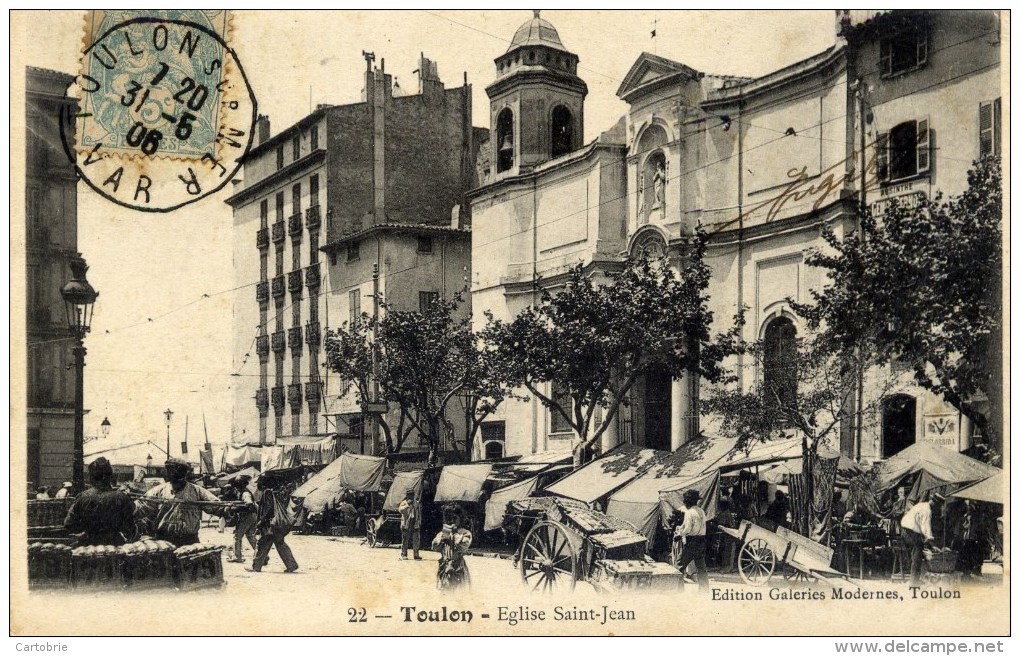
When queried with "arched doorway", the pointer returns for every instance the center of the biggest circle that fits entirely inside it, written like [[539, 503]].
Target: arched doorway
[[562, 131], [504, 140], [899, 415], [780, 362]]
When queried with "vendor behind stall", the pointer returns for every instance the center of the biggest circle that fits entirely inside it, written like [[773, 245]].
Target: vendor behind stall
[[176, 520], [104, 514]]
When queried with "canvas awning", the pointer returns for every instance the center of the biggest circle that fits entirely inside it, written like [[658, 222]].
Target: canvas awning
[[462, 482], [940, 466], [351, 471], [638, 502], [707, 485], [602, 476], [495, 507], [989, 490], [760, 453], [402, 482]]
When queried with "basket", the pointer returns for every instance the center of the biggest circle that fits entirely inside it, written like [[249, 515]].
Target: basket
[[198, 569], [49, 567], [148, 571], [342, 531], [48, 512], [97, 568], [941, 562]]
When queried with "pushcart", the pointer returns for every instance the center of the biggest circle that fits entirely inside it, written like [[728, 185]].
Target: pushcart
[[763, 553]]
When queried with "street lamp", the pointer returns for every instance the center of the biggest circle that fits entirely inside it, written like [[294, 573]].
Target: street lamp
[[148, 465], [169, 415], [79, 299], [104, 427]]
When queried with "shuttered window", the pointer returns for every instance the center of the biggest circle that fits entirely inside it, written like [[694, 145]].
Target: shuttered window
[[989, 127], [904, 151]]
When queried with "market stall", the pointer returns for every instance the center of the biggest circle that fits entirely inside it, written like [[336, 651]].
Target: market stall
[[927, 467], [599, 478]]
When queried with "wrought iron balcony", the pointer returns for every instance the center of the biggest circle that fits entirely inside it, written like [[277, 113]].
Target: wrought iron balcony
[[313, 334], [313, 218], [279, 287], [262, 345], [313, 392], [295, 282], [262, 399], [262, 238], [294, 337], [294, 395], [312, 276], [262, 292], [294, 225], [279, 232], [278, 400], [279, 341]]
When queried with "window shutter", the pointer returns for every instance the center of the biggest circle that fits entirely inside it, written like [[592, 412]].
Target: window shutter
[[997, 126], [986, 136], [885, 57], [922, 47], [923, 147], [882, 156]]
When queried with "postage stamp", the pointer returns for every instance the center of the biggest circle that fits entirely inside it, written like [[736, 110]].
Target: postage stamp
[[165, 113]]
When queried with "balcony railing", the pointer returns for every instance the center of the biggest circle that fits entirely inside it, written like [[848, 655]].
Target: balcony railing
[[262, 292], [279, 232], [294, 395], [279, 286], [278, 400], [295, 225], [313, 218], [295, 282], [262, 399], [312, 276], [262, 238], [313, 334], [279, 341], [262, 345], [313, 392], [294, 337]]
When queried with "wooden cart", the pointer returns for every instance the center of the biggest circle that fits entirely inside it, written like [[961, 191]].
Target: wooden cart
[[567, 542], [764, 552]]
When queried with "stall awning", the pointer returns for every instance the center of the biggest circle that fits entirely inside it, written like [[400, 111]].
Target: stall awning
[[760, 453], [936, 462], [707, 485], [351, 471], [495, 507], [462, 482], [638, 502], [989, 490], [610, 472], [402, 482]]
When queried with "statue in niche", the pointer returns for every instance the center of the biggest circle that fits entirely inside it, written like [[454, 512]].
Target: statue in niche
[[659, 183]]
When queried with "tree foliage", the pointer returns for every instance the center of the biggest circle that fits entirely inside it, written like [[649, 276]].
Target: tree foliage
[[424, 361], [592, 341], [923, 285]]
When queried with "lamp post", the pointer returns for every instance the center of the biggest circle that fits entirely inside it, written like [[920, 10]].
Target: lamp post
[[79, 299], [104, 427], [168, 415], [148, 465]]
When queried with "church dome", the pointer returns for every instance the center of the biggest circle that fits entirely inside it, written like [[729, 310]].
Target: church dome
[[536, 32]]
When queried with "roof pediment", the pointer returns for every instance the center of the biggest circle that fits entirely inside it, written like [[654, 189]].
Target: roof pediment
[[650, 72]]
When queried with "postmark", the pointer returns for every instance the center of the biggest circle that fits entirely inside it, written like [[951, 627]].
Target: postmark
[[165, 114]]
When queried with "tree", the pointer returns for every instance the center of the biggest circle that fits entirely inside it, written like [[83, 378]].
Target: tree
[[923, 285], [813, 393], [424, 360], [593, 341]]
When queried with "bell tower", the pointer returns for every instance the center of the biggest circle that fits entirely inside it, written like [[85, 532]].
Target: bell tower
[[536, 102]]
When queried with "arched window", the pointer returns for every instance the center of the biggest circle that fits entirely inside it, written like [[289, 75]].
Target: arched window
[[899, 414], [493, 450], [504, 140], [780, 362], [562, 131]]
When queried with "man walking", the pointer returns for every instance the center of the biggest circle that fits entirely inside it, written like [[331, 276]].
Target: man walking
[[410, 525], [692, 532], [245, 519], [273, 525]]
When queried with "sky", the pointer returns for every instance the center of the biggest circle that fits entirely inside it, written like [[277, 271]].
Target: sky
[[161, 335]]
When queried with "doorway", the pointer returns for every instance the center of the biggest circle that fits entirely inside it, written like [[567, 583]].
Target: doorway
[[658, 388], [899, 413]]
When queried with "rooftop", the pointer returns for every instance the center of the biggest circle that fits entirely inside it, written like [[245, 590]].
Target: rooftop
[[536, 32]]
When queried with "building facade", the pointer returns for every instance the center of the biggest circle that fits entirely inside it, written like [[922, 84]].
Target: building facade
[[51, 240], [326, 184], [761, 164]]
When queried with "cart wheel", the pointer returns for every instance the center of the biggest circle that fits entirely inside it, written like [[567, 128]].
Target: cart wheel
[[548, 558], [371, 532], [794, 574], [756, 562]]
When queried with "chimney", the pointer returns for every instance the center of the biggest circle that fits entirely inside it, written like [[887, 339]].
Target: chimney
[[262, 132]]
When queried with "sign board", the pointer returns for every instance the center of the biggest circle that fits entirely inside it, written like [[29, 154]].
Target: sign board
[[376, 407], [942, 430]]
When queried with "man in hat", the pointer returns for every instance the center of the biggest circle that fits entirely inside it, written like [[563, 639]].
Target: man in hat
[[274, 523], [692, 532], [245, 518], [410, 525], [64, 491], [104, 514], [177, 515], [916, 530]]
